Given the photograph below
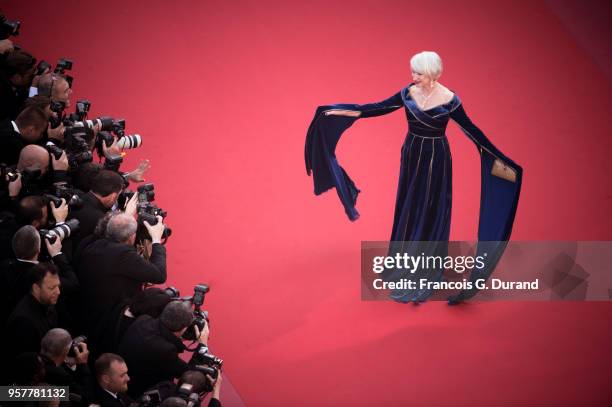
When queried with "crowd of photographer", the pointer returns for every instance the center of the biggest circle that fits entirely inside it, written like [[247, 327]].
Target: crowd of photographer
[[80, 251]]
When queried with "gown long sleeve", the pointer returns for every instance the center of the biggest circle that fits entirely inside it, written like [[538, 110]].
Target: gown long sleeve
[[320, 151], [423, 203]]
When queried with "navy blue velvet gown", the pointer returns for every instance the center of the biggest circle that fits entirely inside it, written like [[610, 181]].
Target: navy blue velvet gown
[[424, 193]]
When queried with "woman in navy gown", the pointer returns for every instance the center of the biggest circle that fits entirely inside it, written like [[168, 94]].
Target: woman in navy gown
[[424, 197]]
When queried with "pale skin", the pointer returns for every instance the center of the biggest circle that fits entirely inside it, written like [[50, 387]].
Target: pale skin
[[427, 92]]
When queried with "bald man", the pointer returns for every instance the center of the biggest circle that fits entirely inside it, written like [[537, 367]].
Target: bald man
[[34, 157]]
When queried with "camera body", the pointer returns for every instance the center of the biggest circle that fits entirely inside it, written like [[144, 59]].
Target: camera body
[[200, 317], [73, 200], [75, 344], [186, 393], [60, 231], [113, 162], [8, 28], [208, 364]]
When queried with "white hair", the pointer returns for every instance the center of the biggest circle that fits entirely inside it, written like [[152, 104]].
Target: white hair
[[55, 342], [427, 63], [120, 227]]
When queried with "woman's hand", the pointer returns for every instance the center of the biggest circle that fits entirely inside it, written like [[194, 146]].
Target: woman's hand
[[340, 112]]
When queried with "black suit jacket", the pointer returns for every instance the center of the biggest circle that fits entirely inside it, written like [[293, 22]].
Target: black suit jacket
[[11, 100], [80, 381], [111, 272], [88, 216], [11, 143], [151, 352], [105, 399], [27, 324], [15, 280]]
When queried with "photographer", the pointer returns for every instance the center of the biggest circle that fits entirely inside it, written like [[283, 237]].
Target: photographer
[[15, 273], [105, 188], [150, 301], [55, 135], [35, 314], [66, 361], [56, 87], [44, 170], [192, 381], [16, 76], [27, 128], [112, 377], [110, 270], [151, 346]]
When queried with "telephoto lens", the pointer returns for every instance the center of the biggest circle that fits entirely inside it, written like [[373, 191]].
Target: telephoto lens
[[129, 141], [60, 231]]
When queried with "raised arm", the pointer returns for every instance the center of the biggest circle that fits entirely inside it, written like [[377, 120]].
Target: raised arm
[[371, 109]]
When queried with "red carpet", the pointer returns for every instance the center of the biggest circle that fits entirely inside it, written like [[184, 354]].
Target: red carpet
[[223, 93]]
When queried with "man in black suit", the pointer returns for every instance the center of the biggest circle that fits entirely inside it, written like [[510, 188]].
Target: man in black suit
[[112, 377], [105, 188], [64, 369], [35, 314], [110, 270], [15, 273], [151, 346], [27, 128], [16, 76]]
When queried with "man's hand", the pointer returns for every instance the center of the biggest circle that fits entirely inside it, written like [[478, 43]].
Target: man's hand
[[138, 174], [132, 205], [54, 248], [216, 392], [113, 149], [156, 230], [202, 336], [6, 46], [61, 164], [36, 78], [60, 213], [82, 354], [56, 133], [14, 187]]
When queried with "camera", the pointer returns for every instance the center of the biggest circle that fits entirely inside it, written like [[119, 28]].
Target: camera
[[42, 66], [200, 317], [172, 292], [146, 193], [81, 110], [8, 28], [118, 127], [103, 138], [7, 174], [76, 141], [186, 393], [58, 108], [72, 200], [60, 231], [150, 398], [54, 150], [124, 197], [75, 344], [129, 141], [62, 66], [142, 233], [113, 162], [208, 364]]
